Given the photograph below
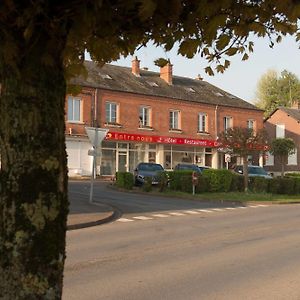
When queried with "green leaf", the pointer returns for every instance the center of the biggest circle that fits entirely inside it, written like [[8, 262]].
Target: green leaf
[[209, 71], [232, 51], [189, 47], [223, 41], [146, 10], [245, 56]]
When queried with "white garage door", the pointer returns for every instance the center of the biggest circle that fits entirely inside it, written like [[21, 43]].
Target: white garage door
[[79, 162]]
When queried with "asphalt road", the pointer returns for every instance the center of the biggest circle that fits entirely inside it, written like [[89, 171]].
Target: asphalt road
[[185, 251]]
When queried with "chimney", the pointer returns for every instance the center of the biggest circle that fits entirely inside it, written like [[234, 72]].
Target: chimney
[[296, 104], [135, 67], [166, 73], [199, 77]]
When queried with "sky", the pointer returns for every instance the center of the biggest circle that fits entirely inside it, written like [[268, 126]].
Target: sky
[[242, 76]]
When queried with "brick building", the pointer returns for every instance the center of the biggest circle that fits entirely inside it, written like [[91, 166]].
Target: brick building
[[284, 123], [155, 117]]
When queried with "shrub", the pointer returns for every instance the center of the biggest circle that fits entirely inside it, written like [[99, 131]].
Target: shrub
[[163, 181], [218, 180], [287, 185], [125, 180], [202, 185], [237, 183], [259, 184], [274, 185], [294, 174], [147, 186], [181, 180], [297, 185]]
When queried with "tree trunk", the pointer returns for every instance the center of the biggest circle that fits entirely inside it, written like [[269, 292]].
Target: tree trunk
[[283, 159], [33, 178], [245, 173]]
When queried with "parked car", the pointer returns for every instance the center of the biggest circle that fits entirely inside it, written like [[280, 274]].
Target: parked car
[[144, 170], [253, 171], [186, 166]]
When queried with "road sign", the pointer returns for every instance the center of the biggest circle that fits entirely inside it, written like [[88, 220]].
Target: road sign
[[227, 157], [96, 135]]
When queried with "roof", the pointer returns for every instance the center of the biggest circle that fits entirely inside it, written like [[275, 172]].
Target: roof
[[292, 112], [121, 79]]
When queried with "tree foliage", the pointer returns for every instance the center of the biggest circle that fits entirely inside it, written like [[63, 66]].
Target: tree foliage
[[275, 90], [282, 147], [243, 142], [42, 44]]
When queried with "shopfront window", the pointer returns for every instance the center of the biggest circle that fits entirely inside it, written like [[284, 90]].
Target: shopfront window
[[108, 162]]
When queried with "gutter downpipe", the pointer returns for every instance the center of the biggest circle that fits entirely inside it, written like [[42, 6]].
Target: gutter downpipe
[[216, 134]]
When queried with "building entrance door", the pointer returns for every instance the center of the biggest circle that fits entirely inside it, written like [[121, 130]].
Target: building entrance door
[[122, 161]]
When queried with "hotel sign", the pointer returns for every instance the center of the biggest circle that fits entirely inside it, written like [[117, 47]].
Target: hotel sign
[[127, 137]]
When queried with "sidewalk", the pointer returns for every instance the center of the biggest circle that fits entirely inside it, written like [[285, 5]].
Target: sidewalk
[[83, 214]]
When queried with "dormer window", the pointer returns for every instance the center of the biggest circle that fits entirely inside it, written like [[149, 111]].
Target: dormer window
[[153, 84]]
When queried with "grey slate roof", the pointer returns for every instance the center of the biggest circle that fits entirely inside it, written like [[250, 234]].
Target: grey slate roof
[[123, 80]]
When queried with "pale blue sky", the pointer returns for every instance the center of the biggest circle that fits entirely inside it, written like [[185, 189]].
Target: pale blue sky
[[242, 76]]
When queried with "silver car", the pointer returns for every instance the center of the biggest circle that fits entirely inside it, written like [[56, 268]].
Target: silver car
[[253, 171], [144, 170]]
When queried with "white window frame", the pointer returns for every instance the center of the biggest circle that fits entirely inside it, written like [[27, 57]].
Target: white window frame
[[202, 122], [145, 116], [73, 116], [174, 120], [111, 116], [280, 131], [293, 159], [227, 122]]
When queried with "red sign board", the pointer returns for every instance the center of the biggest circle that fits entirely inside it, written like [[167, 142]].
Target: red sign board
[[130, 137]]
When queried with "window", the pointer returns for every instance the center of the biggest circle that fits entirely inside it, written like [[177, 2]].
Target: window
[[144, 117], [111, 112], [227, 123], [202, 122], [174, 120], [250, 124], [74, 109], [280, 128], [269, 159], [292, 159]]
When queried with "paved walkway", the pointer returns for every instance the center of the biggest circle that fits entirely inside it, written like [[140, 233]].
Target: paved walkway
[[84, 214]]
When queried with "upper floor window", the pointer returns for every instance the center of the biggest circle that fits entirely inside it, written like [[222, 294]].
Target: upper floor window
[[292, 159], [280, 128], [144, 116], [202, 122], [111, 112], [74, 109], [175, 119], [227, 123]]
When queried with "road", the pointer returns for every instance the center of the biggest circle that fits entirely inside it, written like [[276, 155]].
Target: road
[[186, 251]]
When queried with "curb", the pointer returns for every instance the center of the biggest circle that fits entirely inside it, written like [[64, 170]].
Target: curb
[[115, 214]]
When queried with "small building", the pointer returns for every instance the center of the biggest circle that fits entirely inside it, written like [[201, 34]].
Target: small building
[[284, 123], [151, 117]]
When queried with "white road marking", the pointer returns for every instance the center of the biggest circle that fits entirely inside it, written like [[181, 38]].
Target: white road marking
[[142, 218], [124, 220], [160, 216], [176, 214], [186, 212], [191, 212]]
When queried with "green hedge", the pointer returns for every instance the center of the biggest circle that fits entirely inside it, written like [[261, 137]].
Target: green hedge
[[259, 184], [181, 180], [125, 180], [237, 183], [219, 180]]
